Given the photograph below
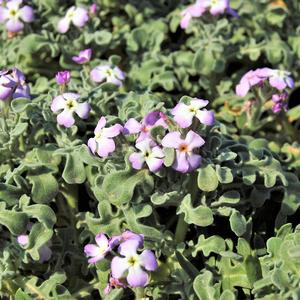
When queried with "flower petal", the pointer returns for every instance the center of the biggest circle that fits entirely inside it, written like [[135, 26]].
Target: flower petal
[[181, 164], [172, 140], [194, 161], [119, 266], [92, 144], [137, 277], [112, 131], [26, 14], [91, 250], [137, 160], [83, 110], [148, 260], [14, 25], [100, 125], [206, 117], [154, 164], [58, 103], [129, 247], [101, 240], [132, 126], [3, 14], [105, 147], [63, 25], [182, 115], [194, 140], [66, 118], [80, 17]]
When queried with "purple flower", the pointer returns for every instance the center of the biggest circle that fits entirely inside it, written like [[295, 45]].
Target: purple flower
[[103, 142], [76, 15], [192, 11], [99, 251], [133, 265], [108, 73], [152, 119], [150, 154], [184, 114], [114, 283], [125, 236], [23, 240], [13, 14], [13, 85], [83, 57], [69, 105], [280, 79], [63, 77], [186, 160], [280, 102]]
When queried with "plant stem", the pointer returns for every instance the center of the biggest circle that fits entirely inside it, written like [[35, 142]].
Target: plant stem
[[139, 293]]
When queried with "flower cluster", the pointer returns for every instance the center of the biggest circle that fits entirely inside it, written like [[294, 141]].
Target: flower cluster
[[277, 80], [13, 14], [196, 10], [152, 151], [129, 266], [13, 85]]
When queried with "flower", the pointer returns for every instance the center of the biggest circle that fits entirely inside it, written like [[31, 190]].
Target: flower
[[23, 240], [69, 104], [13, 85], [150, 154], [192, 11], [93, 8], [125, 236], [76, 15], [281, 79], [14, 15], [184, 114], [103, 142], [280, 102], [99, 251], [83, 57], [154, 118], [185, 160], [108, 73], [112, 283], [216, 7], [63, 77], [135, 264]]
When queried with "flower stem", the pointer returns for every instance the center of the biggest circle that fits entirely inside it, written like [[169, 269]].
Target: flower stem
[[181, 229], [139, 293]]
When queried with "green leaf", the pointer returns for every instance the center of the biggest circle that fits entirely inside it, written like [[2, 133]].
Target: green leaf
[[18, 105], [238, 223], [207, 179], [200, 215], [20, 295], [253, 269], [213, 244], [74, 171]]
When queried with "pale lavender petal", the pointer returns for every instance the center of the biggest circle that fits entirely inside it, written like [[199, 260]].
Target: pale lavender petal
[[114, 241], [145, 145], [101, 240], [72, 96], [242, 88], [199, 103], [154, 164], [65, 118], [114, 80], [92, 145], [22, 91], [277, 82], [194, 140], [132, 126], [100, 125], [172, 140], [112, 131], [181, 164], [185, 21], [137, 277], [63, 25], [97, 74], [14, 25], [83, 110], [152, 117], [182, 115], [91, 250], [119, 266], [105, 147], [5, 92], [137, 160], [194, 161], [290, 82], [26, 14], [206, 117], [219, 8], [3, 14], [14, 4], [148, 260], [128, 235], [58, 103], [81, 16], [129, 247], [119, 73]]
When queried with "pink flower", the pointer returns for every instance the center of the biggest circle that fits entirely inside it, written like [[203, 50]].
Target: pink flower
[[186, 160], [83, 57], [152, 119], [63, 77], [281, 79], [93, 8], [69, 105], [107, 73], [149, 153], [280, 102], [78, 16], [103, 142], [184, 114], [99, 251]]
